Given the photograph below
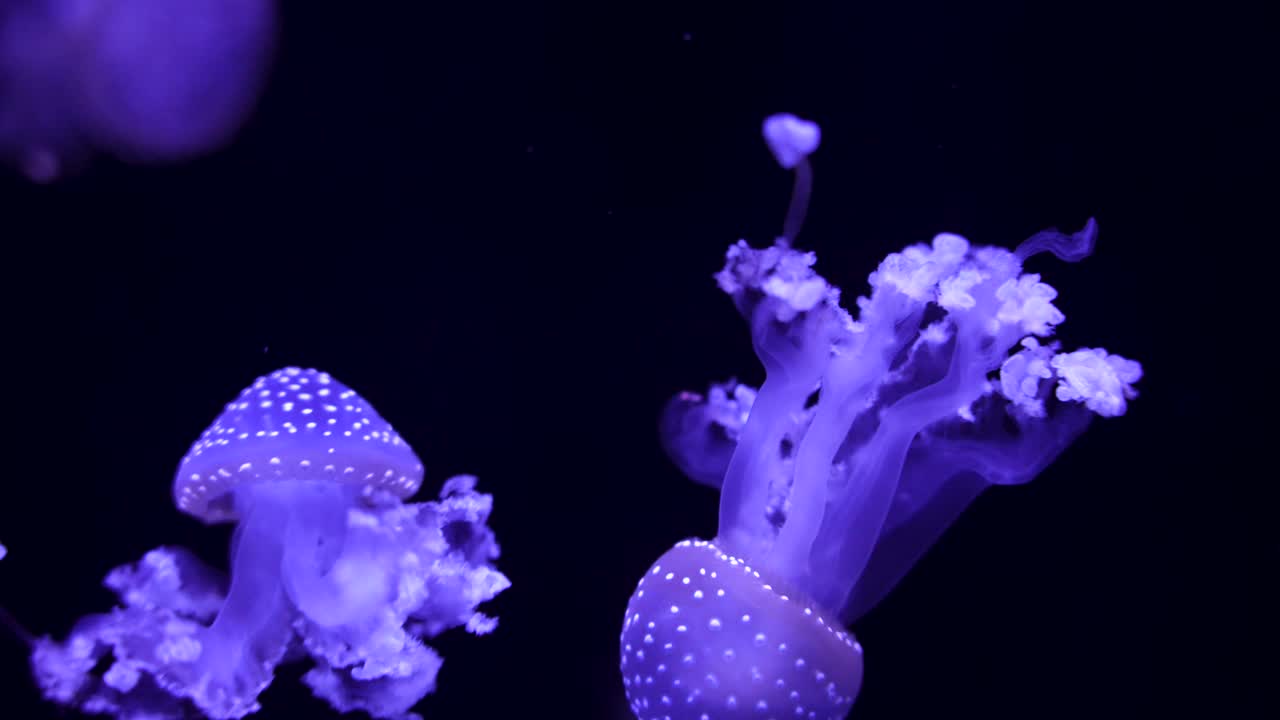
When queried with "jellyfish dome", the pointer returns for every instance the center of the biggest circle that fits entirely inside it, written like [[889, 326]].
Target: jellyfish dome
[[296, 428], [868, 437], [145, 80], [705, 631], [328, 565]]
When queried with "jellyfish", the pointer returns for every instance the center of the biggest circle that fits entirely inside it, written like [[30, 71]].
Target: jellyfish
[[328, 565], [145, 80], [867, 438]]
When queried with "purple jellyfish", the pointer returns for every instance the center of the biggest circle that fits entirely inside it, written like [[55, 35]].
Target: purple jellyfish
[[146, 80], [327, 564], [866, 440]]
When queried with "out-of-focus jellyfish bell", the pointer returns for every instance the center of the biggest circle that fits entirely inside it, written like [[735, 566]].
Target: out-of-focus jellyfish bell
[[326, 562], [941, 388], [168, 80], [145, 80]]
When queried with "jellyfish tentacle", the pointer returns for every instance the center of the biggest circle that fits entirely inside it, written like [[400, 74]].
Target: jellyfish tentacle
[[314, 533], [801, 189], [321, 555], [16, 628], [251, 631], [851, 375], [744, 494], [946, 475], [1069, 248]]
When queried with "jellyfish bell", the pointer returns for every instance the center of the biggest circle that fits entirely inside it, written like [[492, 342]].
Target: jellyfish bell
[[709, 635], [162, 81], [293, 426], [39, 132], [147, 81]]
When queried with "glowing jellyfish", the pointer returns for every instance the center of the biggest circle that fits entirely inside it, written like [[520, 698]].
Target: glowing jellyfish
[[942, 386], [327, 562], [146, 80]]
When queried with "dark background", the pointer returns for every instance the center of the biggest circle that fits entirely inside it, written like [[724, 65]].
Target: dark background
[[498, 222]]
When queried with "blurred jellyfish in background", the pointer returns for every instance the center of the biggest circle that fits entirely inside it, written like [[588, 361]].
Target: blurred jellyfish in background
[[868, 437], [148, 81], [328, 566]]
